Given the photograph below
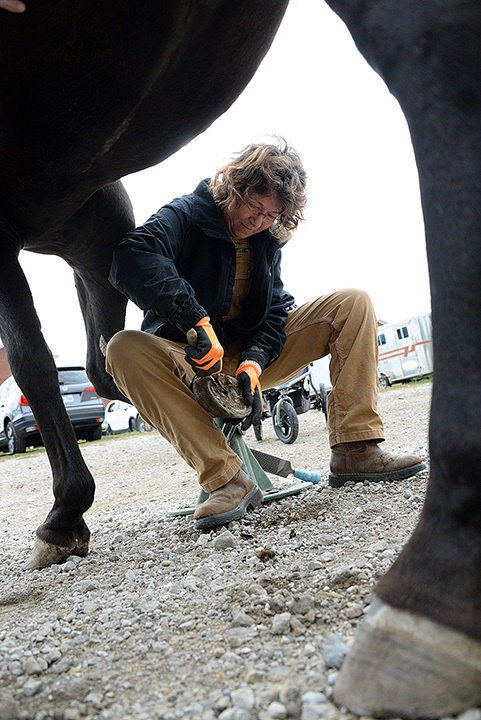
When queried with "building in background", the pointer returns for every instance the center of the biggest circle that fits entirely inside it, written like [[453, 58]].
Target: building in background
[[5, 371]]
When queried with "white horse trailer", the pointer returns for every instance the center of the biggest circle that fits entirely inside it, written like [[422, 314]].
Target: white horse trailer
[[405, 350]]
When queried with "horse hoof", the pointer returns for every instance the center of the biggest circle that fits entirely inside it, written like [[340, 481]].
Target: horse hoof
[[220, 396], [44, 554], [405, 665]]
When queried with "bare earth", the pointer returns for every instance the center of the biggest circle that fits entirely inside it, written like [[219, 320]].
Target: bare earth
[[161, 621]]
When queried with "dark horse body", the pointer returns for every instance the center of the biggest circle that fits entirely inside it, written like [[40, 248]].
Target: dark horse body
[[90, 92]]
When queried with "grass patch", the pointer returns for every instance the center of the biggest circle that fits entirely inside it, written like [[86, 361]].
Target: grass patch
[[34, 451], [408, 383]]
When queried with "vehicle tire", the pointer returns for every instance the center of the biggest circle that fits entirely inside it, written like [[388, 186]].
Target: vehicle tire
[[108, 430], [323, 399], [140, 425], [94, 433], [15, 443], [133, 424], [384, 382], [286, 427]]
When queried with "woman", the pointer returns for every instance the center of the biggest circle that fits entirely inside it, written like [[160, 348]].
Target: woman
[[211, 261]]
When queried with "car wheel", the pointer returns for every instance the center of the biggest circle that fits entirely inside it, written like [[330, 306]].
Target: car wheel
[[323, 399], [285, 422], [141, 425], [94, 434], [384, 382], [108, 430], [132, 424], [15, 443]]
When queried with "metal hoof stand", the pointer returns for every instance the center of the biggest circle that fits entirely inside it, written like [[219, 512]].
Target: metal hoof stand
[[250, 466]]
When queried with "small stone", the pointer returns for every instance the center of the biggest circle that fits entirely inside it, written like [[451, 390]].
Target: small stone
[[85, 586], [314, 698], [334, 651], [95, 698], [277, 710], [255, 675], [241, 619], [243, 698], [15, 668], [297, 627], [225, 540], [32, 687], [71, 714], [281, 623], [239, 636], [202, 541], [62, 666], [32, 666], [302, 605], [354, 610], [52, 655], [234, 714]]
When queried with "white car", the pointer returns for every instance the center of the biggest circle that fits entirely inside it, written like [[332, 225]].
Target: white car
[[123, 417]]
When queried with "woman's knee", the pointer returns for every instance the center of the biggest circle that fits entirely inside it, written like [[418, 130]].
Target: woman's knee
[[358, 302], [122, 344], [357, 297]]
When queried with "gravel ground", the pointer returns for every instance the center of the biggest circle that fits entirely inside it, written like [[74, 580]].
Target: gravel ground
[[248, 622]]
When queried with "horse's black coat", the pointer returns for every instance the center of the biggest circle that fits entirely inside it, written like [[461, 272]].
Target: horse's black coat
[[90, 92]]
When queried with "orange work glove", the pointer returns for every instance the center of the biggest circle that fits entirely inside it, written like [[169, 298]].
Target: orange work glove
[[248, 374], [205, 355]]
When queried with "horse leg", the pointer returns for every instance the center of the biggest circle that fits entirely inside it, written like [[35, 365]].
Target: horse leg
[[64, 531], [419, 652], [103, 311], [93, 233]]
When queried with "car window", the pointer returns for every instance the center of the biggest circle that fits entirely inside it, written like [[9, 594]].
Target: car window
[[7, 387], [72, 377]]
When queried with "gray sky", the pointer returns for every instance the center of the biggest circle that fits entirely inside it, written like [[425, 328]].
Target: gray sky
[[363, 225]]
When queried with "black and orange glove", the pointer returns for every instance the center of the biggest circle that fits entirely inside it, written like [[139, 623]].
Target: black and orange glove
[[206, 353], [248, 374]]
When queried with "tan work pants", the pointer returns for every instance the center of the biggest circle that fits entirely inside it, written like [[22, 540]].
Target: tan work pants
[[154, 374]]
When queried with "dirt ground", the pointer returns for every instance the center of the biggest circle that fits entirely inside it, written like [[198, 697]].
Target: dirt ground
[[133, 469], [161, 622]]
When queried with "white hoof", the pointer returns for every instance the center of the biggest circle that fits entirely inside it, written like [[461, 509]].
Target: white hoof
[[405, 665], [43, 554]]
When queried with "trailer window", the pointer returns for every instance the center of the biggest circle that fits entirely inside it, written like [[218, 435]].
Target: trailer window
[[381, 339], [402, 332]]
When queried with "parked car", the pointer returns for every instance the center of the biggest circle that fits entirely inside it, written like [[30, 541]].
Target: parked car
[[123, 417], [18, 427]]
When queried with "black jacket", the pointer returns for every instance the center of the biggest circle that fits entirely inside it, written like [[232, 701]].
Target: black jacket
[[180, 266]]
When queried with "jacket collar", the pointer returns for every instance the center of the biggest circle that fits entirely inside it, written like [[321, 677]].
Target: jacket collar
[[205, 212]]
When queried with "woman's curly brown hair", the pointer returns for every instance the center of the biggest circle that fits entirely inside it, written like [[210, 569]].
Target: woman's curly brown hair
[[264, 169]]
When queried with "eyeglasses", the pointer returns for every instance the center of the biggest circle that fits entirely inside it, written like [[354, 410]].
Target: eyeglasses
[[260, 213]]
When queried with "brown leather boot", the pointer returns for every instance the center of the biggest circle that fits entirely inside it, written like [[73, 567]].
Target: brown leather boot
[[227, 503], [359, 461]]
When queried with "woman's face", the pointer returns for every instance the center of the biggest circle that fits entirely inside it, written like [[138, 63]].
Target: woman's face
[[253, 215]]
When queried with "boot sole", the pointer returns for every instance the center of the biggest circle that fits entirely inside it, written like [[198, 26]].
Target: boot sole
[[251, 500], [337, 480]]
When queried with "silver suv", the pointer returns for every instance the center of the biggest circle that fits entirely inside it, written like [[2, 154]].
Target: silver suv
[[18, 427]]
